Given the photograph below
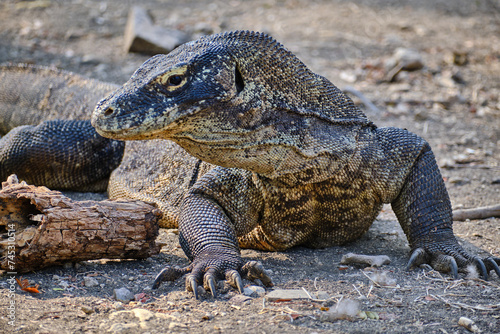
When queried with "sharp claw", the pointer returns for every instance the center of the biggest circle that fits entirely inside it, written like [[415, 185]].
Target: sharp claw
[[168, 274], [415, 257], [482, 267], [239, 283], [454, 268], [210, 280], [160, 278], [234, 279], [192, 284], [494, 264]]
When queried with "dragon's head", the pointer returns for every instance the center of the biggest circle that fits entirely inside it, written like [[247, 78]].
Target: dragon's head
[[237, 99]]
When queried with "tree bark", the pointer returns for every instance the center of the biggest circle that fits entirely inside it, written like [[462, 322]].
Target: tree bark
[[41, 228]]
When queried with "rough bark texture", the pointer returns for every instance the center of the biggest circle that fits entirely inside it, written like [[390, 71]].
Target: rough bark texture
[[51, 229]]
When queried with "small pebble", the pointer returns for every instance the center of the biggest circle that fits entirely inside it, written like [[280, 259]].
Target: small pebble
[[90, 282], [254, 291], [409, 59], [64, 284], [123, 295], [87, 310], [468, 324], [118, 306], [142, 314]]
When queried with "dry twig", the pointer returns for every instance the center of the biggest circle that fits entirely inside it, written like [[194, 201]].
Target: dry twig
[[477, 213]]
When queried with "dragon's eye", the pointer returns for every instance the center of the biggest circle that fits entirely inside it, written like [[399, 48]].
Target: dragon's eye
[[175, 80]]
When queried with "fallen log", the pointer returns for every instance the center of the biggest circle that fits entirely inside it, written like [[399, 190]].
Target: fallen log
[[477, 213], [40, 227]]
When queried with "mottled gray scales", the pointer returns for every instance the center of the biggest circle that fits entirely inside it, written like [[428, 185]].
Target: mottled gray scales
[[162, 177], [50, 154], [32, 94]]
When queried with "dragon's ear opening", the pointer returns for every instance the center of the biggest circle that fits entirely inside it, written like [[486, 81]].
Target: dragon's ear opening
[[238, 80]]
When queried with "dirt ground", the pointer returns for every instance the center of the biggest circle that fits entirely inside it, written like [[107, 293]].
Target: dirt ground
[[453, 102]]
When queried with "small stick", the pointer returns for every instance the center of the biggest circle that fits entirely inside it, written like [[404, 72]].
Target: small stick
[[367, 103], [477, 213]]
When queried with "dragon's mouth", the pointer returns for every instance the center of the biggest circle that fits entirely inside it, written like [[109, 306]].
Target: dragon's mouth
[[233, 139], [152, 123]]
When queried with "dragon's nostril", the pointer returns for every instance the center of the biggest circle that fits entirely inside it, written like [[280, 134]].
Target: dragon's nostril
[[109, 111]]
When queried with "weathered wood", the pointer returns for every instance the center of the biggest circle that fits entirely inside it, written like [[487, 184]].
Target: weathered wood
[[477, 213], [47, 228]]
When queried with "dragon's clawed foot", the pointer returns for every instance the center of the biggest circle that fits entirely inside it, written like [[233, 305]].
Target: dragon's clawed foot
[[452, 258], [210, 271], [169, 274]]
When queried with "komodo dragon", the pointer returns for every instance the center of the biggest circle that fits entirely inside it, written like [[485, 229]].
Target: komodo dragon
[[285, 159]]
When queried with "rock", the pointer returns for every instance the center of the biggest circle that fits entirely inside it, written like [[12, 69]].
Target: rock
[[281, 294], [408, 59], [400, 87], [346, 309], [123, 295], [421, 115], [456, 57], [371, 260], [248, 292], [90, 282], [349, 77], [176, 326], [142, 314], [87, 310], [254, 291], [64, 284], [465, 159], [118, 306], [468, 324], [403, 59], [401, 109], [144, 37], [123, 328], [90, 60], [240, 299]]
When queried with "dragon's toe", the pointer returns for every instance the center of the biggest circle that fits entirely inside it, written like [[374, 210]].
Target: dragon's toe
[[452, 258], [254, 270], [209, 282], [492, 263], [445, 263], [169, 274], [210, 269], [192, 284], [233, 277]]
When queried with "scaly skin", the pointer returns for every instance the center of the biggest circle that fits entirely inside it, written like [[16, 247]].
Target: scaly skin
[[52, 142], [300, 164]]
